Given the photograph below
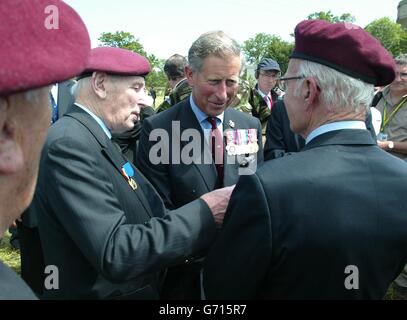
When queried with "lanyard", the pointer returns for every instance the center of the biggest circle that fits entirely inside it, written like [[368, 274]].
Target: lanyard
[[386, 119]]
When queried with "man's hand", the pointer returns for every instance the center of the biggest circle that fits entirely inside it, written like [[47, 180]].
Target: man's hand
[[14, 223], [385, 145], [218, 201]]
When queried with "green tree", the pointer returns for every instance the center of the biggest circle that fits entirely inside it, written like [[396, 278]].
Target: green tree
[[121, 39], [391, 35], [125, 40], [329, 16], [157, 77], [268, 46]]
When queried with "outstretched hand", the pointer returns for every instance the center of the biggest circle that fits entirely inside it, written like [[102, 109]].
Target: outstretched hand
[[218, 201]]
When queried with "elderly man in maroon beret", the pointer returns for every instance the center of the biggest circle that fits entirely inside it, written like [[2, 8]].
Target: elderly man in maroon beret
[[328, 222], [104, 230], [33, 55]]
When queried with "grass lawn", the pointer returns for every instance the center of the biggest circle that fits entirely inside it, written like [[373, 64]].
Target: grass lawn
[[158, 100], [8, 255]]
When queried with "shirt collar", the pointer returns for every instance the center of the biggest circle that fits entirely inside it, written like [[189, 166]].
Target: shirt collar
[[178, 83], [261, 92], [98, 120], [339, 125], [201, 116], [54, 92]]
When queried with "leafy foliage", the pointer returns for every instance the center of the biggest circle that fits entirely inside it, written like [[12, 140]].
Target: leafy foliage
[[329, 16], [125, 40], [121, 39], [391, 35], [268, 46], [8, 255]]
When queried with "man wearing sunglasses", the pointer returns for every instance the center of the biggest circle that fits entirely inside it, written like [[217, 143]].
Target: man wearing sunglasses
[[328, 222]]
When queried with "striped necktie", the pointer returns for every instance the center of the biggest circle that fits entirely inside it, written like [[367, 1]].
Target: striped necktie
[[216, 143], [54, 108]]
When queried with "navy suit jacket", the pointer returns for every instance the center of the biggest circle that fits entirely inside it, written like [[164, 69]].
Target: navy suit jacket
[[280, 139], [293, 228], [107, 240]]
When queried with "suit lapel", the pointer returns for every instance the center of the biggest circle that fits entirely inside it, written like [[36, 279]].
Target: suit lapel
[[109, 149], [113, 153], [188, 120], [65, 98]]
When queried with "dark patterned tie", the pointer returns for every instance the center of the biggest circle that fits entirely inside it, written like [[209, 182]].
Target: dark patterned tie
[[54, 109], [216, 143]]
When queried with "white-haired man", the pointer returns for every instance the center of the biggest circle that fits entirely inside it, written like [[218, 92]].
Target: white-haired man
[[322, 223]]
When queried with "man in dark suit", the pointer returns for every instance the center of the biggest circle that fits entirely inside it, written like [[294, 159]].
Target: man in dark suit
[[280, 139], [103, 227], [328, 222], [24, 102], [225, 143]]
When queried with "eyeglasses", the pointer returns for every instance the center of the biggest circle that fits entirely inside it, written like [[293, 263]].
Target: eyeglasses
[[403, 75], [269, 74], [283, 80]]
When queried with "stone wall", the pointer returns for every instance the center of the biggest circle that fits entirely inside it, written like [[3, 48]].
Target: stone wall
[[402, 13]]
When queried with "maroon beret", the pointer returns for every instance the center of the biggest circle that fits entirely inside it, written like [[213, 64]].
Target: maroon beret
[[116, 61], [346, 48], [43, 42]]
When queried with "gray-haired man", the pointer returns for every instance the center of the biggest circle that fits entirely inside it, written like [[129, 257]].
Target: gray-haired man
[[213, 72]]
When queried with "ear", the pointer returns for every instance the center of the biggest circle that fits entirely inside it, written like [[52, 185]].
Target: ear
[[11, 155], [310, 93], [98, 82], [189, 74]]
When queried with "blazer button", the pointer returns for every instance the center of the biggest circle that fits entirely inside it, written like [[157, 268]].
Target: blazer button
[[193, 191]]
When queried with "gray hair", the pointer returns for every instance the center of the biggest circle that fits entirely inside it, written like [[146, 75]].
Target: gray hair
[[79, 84], [401, 59], [339, 92], [174, 66], [215, 43]]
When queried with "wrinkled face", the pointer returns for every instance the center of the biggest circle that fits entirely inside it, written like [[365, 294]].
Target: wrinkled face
[[216, 84], [294, 105], [30, 118], [124, 95], [267, 80], [400, 83]]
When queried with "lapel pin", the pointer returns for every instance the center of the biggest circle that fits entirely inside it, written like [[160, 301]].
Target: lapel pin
[[231, 124]]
